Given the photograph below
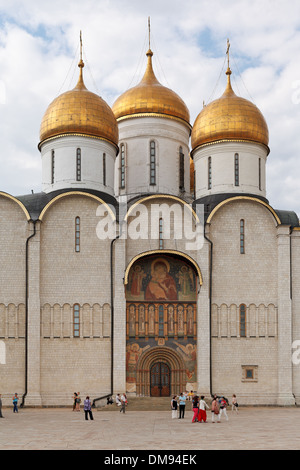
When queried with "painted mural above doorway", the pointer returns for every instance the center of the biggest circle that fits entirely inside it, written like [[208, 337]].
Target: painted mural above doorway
[[161, 278]]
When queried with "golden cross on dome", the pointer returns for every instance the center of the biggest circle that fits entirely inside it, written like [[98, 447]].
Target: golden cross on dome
[[80, 45], [149, 30], [228, 71], [227, 52], [81, 64]]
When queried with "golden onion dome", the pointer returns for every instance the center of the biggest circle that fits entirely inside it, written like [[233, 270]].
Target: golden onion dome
[[229, 118], [150, 97], [79, 112]]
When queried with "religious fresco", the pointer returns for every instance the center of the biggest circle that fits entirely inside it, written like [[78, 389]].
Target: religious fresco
[[161, 297], [185, 348], [161, 279]]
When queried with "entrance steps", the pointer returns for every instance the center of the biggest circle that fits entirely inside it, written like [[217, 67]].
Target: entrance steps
[[143, 404]]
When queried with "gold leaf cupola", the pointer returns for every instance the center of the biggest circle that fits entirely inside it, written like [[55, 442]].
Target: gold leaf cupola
[[230, 140], [79, 112], [154, 132], [150, 97], [79, 139], [229, 118]]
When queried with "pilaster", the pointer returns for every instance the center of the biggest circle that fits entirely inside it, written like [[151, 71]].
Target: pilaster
[[119, 317], [203, 322], [33, 397], [285, 390]]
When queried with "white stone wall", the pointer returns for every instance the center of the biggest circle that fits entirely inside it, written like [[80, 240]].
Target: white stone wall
[[92, 151], [169, 135], [13, 234], [295, 266], [250, 279], [266, 279], [223, 168], [68, 277]]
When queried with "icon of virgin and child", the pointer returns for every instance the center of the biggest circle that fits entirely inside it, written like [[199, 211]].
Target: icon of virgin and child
[[154, 282]]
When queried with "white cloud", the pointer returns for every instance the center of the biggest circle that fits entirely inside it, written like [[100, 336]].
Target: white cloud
[[39, 53]]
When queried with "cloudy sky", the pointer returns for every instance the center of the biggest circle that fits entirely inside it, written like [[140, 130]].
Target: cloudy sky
[[39, 52]]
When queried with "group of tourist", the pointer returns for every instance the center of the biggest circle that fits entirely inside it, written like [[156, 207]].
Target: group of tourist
[[87, 405], [121, 400], [218, 407]]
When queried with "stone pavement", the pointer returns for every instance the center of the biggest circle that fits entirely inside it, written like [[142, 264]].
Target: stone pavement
[[63, 429]]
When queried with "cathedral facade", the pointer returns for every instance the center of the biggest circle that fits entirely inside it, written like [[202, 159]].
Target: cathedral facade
[[152, 261]]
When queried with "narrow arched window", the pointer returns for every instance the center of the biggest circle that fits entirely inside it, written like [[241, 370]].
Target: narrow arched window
[[122, 167], [259, 173], [242, 320], [52, 166], [152, 163], [78, 165], [181, 169], [161, 241], [209, 172], [194, 184], [104, 169], [76, 320], [236, 170], [242, 236], [77, 234]]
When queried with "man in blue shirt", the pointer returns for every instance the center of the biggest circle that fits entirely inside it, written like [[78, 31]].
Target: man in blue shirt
[[182, 400]]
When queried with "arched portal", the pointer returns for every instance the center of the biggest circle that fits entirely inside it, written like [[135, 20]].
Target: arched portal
[[161, 317], [160, 372]]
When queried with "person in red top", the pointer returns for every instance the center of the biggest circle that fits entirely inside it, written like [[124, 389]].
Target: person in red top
[[223, 406]]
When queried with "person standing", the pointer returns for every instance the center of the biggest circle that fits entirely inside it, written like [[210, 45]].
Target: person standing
[[215, 412], [74, 400], [202, 410], [87, 406], [123, 403], [15, 402], [174, 407], [195, 408], [78, 401], [1, 416], [234, 404], [223, 406], [182, 400]]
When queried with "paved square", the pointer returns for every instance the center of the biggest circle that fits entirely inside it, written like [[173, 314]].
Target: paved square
[[64, 429]]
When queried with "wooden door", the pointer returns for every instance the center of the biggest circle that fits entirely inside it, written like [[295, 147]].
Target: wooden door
[[160, 380]]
